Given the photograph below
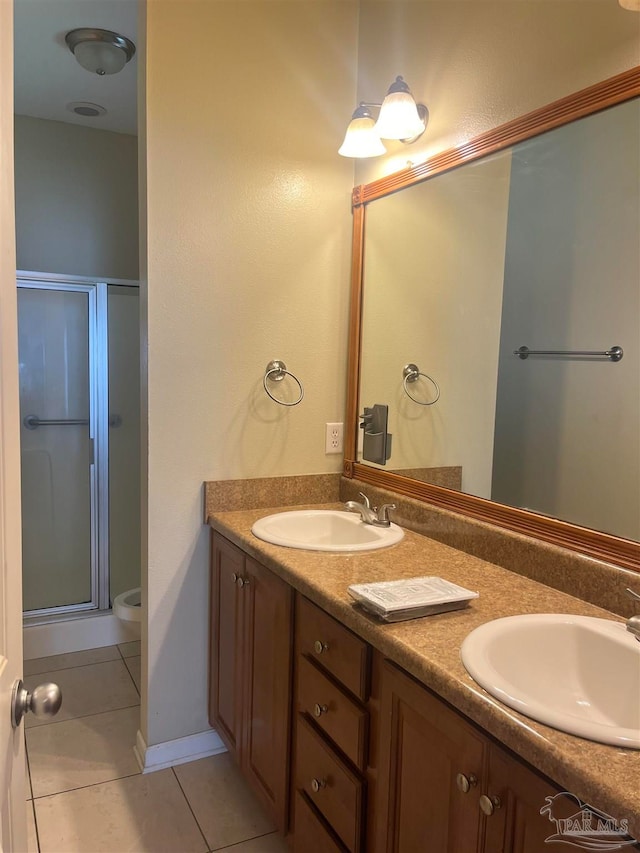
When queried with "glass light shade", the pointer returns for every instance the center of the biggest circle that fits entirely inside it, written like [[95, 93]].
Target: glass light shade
[[100, 57], [361, 140], [399, 117], [631, 5]]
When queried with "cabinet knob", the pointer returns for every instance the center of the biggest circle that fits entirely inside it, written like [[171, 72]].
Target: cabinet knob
[[317, 784], [320, 647], [489, 804], [464, 783], [243, 582], [234, 577], [319, 710]]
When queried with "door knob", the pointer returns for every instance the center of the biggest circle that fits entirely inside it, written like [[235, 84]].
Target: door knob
[[44, 701]]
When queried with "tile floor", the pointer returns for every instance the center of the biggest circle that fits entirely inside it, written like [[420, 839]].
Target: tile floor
[[86, 793]]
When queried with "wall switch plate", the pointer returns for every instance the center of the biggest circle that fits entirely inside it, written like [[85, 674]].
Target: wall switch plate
[[333, 442]]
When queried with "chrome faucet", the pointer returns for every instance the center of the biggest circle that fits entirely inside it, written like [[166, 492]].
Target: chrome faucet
[[369, 514], [633, 624]]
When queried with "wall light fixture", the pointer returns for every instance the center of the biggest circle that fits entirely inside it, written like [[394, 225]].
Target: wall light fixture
[[399, 118], [100, 51]]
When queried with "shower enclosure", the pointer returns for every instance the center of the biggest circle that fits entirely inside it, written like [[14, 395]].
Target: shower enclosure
[[80, 426]]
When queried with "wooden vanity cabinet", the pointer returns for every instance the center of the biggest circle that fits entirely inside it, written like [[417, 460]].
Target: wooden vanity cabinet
[[379, 763], [435, 771], [250, 670], [331, 733]]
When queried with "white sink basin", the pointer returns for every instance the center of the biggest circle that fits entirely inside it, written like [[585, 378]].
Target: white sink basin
[[575, 673], [324, 530]]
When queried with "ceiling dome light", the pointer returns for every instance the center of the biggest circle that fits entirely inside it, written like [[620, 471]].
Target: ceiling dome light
[[361, 140], [100, 51]]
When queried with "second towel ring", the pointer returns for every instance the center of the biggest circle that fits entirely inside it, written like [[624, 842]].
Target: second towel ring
[[276, 371], [412, 373]]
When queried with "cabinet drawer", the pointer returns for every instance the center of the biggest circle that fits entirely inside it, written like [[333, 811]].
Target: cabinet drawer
[[311, 833], [344, 721], [335, 790], [333, 646]]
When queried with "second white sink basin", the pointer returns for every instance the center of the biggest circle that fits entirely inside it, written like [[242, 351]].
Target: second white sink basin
[[324, 530], [578, 674]]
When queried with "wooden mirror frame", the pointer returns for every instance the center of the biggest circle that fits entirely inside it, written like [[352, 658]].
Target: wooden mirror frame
[[602, 546]]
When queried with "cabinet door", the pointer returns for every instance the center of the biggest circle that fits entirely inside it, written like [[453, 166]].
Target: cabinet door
[[268, 607], [225, 653], [423, 745], [516, 826]]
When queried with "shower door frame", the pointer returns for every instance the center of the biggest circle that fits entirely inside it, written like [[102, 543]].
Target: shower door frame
[[97, 293]]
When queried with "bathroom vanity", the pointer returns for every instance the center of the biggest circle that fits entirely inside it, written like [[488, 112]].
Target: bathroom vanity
[[363, 736]]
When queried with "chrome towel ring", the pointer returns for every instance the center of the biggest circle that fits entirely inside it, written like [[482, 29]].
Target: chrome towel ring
[[275, 372], [412, 373]]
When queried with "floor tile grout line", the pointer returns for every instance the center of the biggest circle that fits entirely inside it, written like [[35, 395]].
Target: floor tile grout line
[[86, 787], [131, 676], [35, 823], [75, 666], [238, 843], [26, 755], [82, 716], [204, 837]]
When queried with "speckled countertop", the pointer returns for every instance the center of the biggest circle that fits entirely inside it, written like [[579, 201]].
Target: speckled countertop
[[606, 777]]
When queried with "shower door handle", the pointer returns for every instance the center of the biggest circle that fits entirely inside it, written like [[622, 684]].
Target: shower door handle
[[44, 700], [33, 421]]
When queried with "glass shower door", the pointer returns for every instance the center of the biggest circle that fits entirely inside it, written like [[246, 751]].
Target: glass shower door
[[56, 336]]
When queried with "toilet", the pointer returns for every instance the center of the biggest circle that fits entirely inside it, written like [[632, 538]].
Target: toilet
[[127, 605]]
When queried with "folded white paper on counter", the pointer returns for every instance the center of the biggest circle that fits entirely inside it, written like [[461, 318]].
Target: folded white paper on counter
[[394, 601]]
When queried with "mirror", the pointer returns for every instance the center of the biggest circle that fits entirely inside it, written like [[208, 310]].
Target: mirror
[[464, 260]]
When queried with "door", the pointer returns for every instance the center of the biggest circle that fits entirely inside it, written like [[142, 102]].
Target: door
[[57, 355], [267, 614], [430, 764], [12, 760], [225, 687]]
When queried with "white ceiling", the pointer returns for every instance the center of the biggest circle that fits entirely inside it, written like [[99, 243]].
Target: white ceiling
[[47, 77]]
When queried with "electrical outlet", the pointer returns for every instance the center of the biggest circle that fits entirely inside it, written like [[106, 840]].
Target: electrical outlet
[[333, 438]]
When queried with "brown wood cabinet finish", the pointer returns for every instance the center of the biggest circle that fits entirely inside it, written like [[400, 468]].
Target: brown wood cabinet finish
[[330, 785], [225, 641], [339, 717], [422, 748], [313, 835], [321, 637], [250, 688], [435, 768], [517, 825]]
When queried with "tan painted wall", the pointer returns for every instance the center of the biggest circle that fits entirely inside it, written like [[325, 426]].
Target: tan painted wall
[[248, 260], [249, 238], [478, 64], [76, 199]]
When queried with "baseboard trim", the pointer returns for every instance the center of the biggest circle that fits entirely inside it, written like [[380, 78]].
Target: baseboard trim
[[179, 751], [75, 635]]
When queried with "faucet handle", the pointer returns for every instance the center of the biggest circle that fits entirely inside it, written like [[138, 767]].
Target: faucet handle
[[365, 500], [383, 512], [633, 594]]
